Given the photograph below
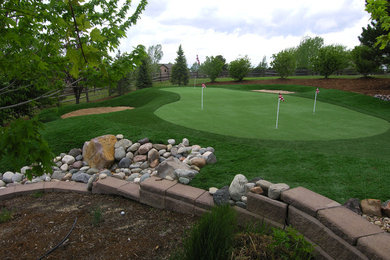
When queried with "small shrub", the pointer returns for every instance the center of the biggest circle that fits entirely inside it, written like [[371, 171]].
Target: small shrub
[[5, 215], [211, 237], [38, 194], [97, 216]]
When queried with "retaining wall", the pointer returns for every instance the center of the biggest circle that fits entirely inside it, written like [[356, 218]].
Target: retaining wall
[[335, 231]]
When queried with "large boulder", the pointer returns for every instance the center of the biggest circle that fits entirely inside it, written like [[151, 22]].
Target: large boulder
[[168, 167], [237, 187], [99, 152]]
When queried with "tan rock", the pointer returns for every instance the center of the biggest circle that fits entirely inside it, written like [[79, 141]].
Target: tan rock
[[153, 156], [257, 190], [99, 152], [371, 207], [145, 148], [139, 158], [198, 161]]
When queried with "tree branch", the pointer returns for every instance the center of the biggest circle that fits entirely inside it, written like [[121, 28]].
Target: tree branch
[[31, 100], [77, 32]]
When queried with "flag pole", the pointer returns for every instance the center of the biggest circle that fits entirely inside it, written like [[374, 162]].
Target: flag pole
[[315, 101], [277, 114]]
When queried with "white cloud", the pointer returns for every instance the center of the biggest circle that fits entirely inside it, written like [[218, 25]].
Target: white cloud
[[249, 27]]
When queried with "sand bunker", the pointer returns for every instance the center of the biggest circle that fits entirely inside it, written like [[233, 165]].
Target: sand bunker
[[274, 91], [94, 110]]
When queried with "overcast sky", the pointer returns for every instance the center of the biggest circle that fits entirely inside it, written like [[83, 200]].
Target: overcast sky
[[247, 27]]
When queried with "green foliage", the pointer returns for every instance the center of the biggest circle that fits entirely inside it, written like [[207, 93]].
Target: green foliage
[[212, 67], [330, 59], [307, 49], [155, 54], [363, 58], [97, 216], [211, 237], [284, 62], [379, 10], [180, 72], [262, 67], [5, 215], [239, 68], [38, 194], [21, 144], [144, 77]]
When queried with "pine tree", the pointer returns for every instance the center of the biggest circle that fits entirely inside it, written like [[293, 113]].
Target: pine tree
[[144, 79], [180, 72]]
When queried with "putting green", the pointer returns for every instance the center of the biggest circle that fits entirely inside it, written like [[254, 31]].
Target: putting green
[[253, 115]]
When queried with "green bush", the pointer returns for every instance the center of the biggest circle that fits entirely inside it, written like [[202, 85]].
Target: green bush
[[211, 237], [5, 215], [239, 68]]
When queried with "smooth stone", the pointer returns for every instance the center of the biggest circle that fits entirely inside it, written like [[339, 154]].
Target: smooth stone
[[169, 147], [119, 175], [24, 169], [75, 152], [145, 148], [133, 176], [102, 176], [221, 196], [185, 142], [77, 164], [125, 143], [84, 168], [144, 165], [160, 147], [237, 187], [169, 178], [74, 171], [371, 207], [126, 170], [249, 186], [198, 161], [210, 157], [62, 155], [144, 177], [153, 157], [171, 141], [92, 171], [68, 159], [130, 155], [275, 190], [166, 155], [44, 176], [184, 180], [106, 171], [67, 177], [184, 150], [2, 183], [244, 199], [134, 147], [140, 158], [185, 173], [119, 153], [264, 185], [59, 164], [90, 182], [81, 177], [135, 165], [143, 141], [136, 170], [17, 177], [64, 167], [124, 162], [354, 205], [137, 180], [168, 167], [241, 204], [257, 190], [119, 137], [162, 151], [58, 175], [79, 157], [7, 177], [212, 190], [195, 148]]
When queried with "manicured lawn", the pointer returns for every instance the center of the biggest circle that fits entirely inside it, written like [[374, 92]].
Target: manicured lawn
[[253, 115], [338, 168]]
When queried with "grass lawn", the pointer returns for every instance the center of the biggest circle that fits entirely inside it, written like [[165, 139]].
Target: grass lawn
[[337, 168]]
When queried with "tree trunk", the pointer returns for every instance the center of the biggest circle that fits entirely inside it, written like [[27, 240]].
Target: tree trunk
[[77, 93], [86, 94]]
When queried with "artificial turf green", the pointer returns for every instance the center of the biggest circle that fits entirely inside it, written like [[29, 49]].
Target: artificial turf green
[[253, 115], [339, 169]]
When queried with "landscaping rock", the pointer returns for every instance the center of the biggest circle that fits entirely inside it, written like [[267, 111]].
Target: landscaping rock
[[168, 167], [213, 190], [119, 153], [99, 152], [134, 147], [139, 158], [67, 177], [144, 177], [79, 157], [221, 196], [249, 186], [84, 169], [257, 190], [17, 177], [7, 177], [143, 141], [124, 143], [160, 147], [64, 167], [133, 176], [241, 204], [145, 148], [185, 173], [171, 141], [75, 152], [184, 180], [119, 175], [58, 175], [237, 187], [124, 163], [77, 165], [91, 180], [354, 205], [2, 183], [24, 170], [275, 189], [81, 177], [198, 161], [68, 159], [153, 158], [185, 142], [91, 171], [264, 185], [371, 207], [386, 208], [119, 137], [210, 157]]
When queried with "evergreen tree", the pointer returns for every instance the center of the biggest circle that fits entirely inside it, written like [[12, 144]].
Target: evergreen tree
[[180, 72], [144, 79]]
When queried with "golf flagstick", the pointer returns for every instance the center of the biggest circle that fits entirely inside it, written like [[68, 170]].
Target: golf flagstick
[[315, 100], [280, 98], [203, 86], [196, 75]]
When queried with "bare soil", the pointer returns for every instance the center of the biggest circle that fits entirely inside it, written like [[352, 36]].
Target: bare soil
[[41, 220]]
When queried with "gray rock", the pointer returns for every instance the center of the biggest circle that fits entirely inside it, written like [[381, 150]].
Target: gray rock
[[135, 165], [275, 190], [184, 150], [79, 157], [166, 155], [144, 165], [145, 148], [241, 204], [84, 168], [171, 141], [244, 199], [92, 171], [185, 173], [64, 167], [136, 170], [75, 152], [119, 153], [210, 157], [168, 167], [44, 177], [160, 147], [185, 142], [17, 177], [162, 151], [354, 205], [184, 180], [249, 186], [202, 150], [62, 155], [153, 157], [237, 187], [264, 185], [119, 137], [210, 149], [221, 196], [24, 170], [106, 171], [143, 141], [130, 155], [91, 180], [134, 147], [7, 177], [212, 190], [119, 175], [77, 164], [144, 177], [174, 151], [133, 176], [68, 159], [2, 183], [125, 143], [81, 177], [124, 162], [58, 175], [74, 171]]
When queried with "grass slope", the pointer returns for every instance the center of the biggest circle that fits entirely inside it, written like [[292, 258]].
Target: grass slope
[[339, 169], [253, 115]]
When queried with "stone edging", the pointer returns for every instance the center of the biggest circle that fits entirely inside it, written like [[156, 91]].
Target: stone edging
[[336, 232]]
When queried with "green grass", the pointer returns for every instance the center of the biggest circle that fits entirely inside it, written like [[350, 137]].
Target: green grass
[[339, 169], [253, 115]]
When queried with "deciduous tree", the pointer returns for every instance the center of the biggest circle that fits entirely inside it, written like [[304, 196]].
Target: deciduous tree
[[330, 59], [284, 62], [239, 68], [212, 67]]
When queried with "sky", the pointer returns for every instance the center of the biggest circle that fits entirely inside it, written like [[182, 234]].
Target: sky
[[233, 29]]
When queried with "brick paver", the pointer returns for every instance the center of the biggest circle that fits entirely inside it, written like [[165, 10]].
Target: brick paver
[[184, 193]]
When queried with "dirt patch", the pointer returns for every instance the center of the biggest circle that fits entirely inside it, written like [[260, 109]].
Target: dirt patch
[[94, 110], [40, 223], [273, 91], [367, 86]]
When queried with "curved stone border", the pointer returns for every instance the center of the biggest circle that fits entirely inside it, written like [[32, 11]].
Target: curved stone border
[[336, 232]]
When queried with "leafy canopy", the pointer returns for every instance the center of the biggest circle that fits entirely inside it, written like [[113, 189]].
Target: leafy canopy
[[212, 67], [330, 59], [239, 68], [284, 62]]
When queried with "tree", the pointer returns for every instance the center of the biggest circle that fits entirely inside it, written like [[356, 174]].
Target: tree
[[307, 49], [362, 59], [379, 10], [212, 67], [330, 59], [239, 68], [223, 60], [144, 78], [262, 67], [155, 54], [44, 41], [284, 62], [180, 72]]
